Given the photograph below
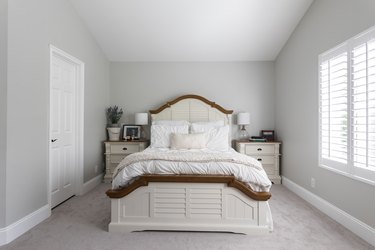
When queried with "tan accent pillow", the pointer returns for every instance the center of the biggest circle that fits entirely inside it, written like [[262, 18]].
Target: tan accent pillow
[[188, 141]]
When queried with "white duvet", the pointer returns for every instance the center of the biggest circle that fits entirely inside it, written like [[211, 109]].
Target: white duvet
[[166, 162]]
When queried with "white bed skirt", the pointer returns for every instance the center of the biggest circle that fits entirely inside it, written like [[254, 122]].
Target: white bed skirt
[[190, 207]]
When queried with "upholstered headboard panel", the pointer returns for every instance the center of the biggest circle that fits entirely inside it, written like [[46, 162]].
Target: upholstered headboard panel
[[192, 108]]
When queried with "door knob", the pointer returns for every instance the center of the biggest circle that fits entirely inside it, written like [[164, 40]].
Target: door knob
[[53, 140]]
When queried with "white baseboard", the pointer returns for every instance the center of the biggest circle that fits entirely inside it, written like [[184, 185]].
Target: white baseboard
[[21, 226], [353, 224], [89, 185]]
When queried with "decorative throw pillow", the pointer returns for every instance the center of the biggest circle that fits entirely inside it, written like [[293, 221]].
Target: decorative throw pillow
[[188, 141]]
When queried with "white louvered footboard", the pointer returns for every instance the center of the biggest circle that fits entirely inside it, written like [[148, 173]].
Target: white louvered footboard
[[190, 207]]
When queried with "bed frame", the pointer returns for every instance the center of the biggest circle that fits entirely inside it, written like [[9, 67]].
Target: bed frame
[[190, 202]]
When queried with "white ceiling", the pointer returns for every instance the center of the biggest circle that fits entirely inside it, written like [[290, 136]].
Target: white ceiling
[[191, 30]]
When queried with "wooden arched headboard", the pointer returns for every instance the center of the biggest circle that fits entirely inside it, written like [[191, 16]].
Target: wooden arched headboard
[[192, 108]]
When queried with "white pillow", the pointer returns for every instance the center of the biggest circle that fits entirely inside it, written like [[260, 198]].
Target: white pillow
[[217, 137], [160, 134], [188, 141], [170, 122]]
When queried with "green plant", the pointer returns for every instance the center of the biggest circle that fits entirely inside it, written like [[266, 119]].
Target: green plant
[[114, 114]]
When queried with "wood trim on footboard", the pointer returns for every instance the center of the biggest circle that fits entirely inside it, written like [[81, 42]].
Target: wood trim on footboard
[[229, 180]]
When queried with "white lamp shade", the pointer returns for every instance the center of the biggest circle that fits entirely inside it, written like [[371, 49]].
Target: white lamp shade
[[141, 118], [243, 118]]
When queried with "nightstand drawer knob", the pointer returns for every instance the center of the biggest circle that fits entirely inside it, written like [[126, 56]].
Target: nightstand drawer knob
[[259, 159], [124, 148], [259, 149]]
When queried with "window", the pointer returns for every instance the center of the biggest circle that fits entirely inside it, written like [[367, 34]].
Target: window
[[347, 108]]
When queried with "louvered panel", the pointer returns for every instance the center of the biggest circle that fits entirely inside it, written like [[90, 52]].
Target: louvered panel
[[166, 205], [198, 111], [174, 199], [371, 105], [169, 202], [363, 111], [347, 107], [206, 203], [180, 111], [203, 200], [333, 108], [166, 114], [170, 212], [324, 109]]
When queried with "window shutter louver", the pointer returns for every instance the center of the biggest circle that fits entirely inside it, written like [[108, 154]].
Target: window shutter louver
[[363, 106], [347, 108], [334, 108]]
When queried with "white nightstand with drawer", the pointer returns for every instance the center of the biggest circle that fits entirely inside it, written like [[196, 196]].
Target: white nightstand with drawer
[[115, 151], [268, 153]]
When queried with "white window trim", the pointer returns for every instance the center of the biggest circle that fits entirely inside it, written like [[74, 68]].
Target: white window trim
[[347, 170], [346, 174]]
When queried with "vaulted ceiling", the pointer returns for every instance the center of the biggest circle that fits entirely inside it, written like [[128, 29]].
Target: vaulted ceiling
[[191, 30]]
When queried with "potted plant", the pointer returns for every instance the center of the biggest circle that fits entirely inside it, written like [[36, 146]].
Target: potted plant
[[114, 114]]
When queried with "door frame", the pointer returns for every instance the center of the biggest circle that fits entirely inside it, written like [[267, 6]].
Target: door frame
[[79, 119]]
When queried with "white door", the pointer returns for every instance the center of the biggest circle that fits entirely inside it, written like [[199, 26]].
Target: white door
[[63, 161]]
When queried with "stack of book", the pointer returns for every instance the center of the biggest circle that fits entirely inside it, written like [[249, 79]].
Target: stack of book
[[258, 139]]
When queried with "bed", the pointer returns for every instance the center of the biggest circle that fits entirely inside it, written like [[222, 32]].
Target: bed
[[147, 195]]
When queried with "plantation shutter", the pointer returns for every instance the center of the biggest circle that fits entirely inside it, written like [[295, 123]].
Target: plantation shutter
[[334, 109], [363, 106], [347, 108]]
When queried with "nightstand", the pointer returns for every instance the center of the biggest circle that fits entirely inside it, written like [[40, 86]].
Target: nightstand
[[268, 153], [115, 151]]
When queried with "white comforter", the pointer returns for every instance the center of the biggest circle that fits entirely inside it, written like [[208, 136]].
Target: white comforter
[[165, 161]]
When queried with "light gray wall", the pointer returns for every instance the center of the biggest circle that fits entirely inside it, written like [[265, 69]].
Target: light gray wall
[[32, 26], [3, 104], [326, 24], [241, 86], [79, 42]]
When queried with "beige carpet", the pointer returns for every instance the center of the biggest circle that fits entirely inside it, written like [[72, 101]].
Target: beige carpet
[[81, 223]]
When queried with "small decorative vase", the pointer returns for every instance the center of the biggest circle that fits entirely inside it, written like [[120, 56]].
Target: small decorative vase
[[114, 133]]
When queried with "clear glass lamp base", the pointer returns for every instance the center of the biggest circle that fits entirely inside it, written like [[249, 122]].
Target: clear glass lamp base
[[243, 134]]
